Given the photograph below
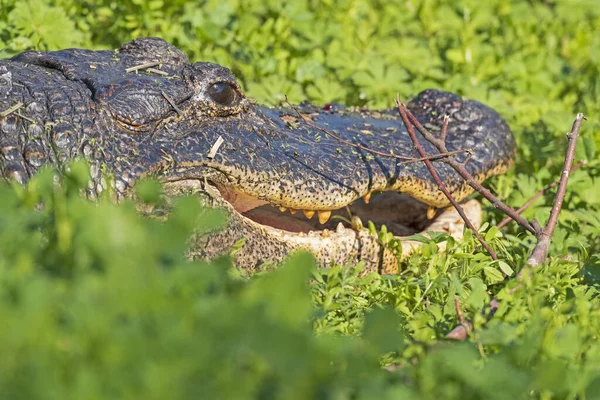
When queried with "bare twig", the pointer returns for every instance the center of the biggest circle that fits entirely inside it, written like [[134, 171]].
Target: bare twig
[[215, 147], [544, 237], [405, 118], [158, 71], [25, 117], [172, 103], [407, 160], [461, 332], [10, 110], [142, 66], [536, 196], [471, 181]]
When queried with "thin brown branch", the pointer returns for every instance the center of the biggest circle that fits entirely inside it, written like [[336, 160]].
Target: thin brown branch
[[172, 103], [461, 332], [444, 130], [405, 118], [471, 181], [544, 235], [407, 160], [536, 196], [459, 313], [540, 251]]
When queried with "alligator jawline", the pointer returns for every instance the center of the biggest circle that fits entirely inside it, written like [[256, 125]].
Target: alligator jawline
[[260, 225], [402, 214]]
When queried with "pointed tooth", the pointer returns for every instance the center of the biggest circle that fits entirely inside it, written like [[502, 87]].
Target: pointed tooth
[[367, 198], [309, 213], [282, 209], [324, 216], [431, 212], [293, 211], [340, 228], [325, 233]]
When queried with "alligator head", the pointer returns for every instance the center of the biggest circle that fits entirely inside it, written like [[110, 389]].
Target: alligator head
[[282, 173]]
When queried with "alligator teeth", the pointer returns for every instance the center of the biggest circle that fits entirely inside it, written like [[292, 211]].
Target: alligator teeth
[[308, 213], [324, 216], [431, 212], [293, 211], [340, 228], [282, 209], [367, 198], [325, 233]]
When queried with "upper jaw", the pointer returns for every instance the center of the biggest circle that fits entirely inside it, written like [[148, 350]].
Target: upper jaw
[[320, 160]]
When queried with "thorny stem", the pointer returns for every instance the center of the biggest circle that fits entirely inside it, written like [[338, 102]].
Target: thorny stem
[[407, 160], [403, 113], [460, 168], [536, 196], [545, 236]]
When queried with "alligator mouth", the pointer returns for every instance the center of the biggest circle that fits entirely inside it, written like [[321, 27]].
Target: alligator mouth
[[400, 213]]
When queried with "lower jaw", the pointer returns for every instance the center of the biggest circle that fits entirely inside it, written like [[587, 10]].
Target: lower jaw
[[269, 236]]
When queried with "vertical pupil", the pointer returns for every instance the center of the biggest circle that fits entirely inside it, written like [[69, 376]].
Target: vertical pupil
[[222, 93]]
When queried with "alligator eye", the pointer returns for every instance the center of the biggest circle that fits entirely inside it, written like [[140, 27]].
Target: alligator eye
[[223, 93]]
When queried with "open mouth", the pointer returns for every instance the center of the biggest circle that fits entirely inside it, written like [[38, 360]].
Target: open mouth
[[270, 232], [401, 214]]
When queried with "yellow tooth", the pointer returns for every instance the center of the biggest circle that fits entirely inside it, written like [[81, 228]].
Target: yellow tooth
[[293, 211], [367, 198], [324, 216], [431, 212], [309, 213], [325, 233], [282, 209]]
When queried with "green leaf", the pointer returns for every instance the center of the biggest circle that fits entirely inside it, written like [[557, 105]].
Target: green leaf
[[47, 26], [381, 331]]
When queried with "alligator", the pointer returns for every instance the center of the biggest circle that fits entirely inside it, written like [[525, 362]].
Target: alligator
[[145, 110]]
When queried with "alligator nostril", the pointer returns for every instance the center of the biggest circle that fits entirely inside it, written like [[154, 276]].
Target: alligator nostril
[[223, 93]]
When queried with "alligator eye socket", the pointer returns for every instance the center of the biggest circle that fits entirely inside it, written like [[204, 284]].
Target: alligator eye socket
[[223, 93]]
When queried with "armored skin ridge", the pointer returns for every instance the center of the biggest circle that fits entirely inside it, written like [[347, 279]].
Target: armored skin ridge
[[145, 110]]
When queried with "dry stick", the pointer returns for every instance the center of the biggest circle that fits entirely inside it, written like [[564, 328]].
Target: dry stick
[[461, 332], [379, 153], [460, 168], [142, 66], [403, 113], [10, 110], [465, 326], [536, 196], [544, 237]]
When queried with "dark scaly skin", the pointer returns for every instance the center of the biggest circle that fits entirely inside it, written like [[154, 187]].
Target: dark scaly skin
[[77, 102]]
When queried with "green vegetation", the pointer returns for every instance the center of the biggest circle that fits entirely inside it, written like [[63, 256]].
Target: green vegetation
[[98, 302]]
